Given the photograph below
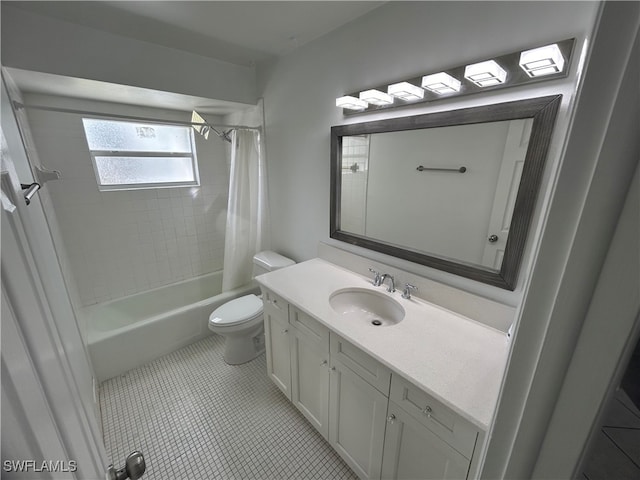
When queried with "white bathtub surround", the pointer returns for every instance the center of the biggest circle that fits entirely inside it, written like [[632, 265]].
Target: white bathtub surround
[[129, 241], [193, 416], [455, 359], [134, 330], [247, 211]]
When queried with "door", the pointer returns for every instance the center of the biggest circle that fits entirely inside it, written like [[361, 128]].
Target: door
[[504, 200], [276, 331], [357, 416], [39, 329], [310, 379], [412, 451]]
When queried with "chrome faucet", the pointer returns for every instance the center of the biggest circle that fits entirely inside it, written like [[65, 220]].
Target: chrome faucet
[[377, 278], [392, 283], [407, 290]]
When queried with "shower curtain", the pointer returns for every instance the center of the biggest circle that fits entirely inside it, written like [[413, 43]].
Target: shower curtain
[[247, 209]]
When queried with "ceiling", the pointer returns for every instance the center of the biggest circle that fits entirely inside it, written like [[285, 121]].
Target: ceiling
[[239, 32]]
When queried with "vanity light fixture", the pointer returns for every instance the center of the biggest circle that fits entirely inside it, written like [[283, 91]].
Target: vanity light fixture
[[351, 103], [518, 68], [542, 61], [406, 91], [441, 83], [485, 74], [376, 97]]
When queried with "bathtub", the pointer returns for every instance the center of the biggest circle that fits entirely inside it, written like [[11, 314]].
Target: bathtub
[[128, 332]]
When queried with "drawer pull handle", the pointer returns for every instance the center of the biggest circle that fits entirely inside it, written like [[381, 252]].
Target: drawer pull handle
[[391, 418], [427, 411], [286, 330]]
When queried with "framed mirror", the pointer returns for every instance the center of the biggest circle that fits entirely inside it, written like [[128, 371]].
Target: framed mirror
[[451, 190]]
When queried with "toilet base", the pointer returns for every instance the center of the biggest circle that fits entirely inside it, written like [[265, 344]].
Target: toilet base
[[242, 349]]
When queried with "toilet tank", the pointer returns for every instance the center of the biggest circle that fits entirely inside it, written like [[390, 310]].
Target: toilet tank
[[269, 261]]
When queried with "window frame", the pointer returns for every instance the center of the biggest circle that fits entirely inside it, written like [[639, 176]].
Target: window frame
[[142, 154]]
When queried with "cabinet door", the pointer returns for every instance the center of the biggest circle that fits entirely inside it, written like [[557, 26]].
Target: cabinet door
[[357, 417], [310, 379], [412, 451], [276, 331]]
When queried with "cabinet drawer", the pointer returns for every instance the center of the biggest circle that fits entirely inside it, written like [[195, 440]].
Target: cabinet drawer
[[309, 326], [275, 304], [360, 363], [449, 426]]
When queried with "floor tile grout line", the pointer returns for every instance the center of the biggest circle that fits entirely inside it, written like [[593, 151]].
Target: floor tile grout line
[[623, 452], [198, 428], [630, 410], [620, 428]]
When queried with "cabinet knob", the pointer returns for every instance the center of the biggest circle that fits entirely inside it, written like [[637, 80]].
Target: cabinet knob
[[427, 411], [324, 362], [333, 369], [286, 330], [391, 418]]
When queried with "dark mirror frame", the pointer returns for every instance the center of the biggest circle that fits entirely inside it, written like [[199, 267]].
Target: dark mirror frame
[[543, 110]]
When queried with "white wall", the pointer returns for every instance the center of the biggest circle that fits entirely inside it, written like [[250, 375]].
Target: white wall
[[601, 155], [43, 44], [445, 213], [123, 242], [396, 41]]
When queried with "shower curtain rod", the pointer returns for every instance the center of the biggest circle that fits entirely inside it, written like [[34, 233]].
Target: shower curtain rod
[[18, 106]]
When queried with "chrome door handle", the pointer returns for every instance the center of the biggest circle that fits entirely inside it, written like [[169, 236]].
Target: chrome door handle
[[493, 238], [134, 468], [31, 190]]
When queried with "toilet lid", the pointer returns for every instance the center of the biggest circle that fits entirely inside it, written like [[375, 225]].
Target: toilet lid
[[237, 311]]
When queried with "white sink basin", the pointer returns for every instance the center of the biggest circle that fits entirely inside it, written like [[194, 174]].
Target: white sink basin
[[361, 304]]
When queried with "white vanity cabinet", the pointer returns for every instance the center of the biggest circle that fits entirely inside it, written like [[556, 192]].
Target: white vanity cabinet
[[276, 332], [309, 346], [412, 451], [358, 407], [424, 438], [381, 425], [330, 385]]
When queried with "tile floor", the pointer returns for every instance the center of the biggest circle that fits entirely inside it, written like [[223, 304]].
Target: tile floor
[[616, 453], [195, 417]]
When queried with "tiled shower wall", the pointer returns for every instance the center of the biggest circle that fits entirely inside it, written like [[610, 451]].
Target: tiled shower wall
[[355, 173], [124, 242]]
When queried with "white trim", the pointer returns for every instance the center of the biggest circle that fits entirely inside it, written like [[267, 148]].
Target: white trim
[[35, 288]]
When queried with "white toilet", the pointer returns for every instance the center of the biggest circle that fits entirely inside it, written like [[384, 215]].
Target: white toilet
[[240, 320]]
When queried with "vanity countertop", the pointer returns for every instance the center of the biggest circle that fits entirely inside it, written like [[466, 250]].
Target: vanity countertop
[[455, 359]]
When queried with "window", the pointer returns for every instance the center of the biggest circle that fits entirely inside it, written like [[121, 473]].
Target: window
[[129, 155]]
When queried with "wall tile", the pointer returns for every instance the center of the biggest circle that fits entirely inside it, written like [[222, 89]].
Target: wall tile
[[124, 242]]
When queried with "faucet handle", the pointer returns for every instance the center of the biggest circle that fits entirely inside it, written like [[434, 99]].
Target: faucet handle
[[407, 290], [377, 277]]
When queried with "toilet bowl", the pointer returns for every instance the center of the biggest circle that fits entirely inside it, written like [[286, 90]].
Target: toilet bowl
[[240, 320]]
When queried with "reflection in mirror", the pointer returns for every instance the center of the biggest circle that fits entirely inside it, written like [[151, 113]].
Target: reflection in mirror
[[479, 203], [452, 190]]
